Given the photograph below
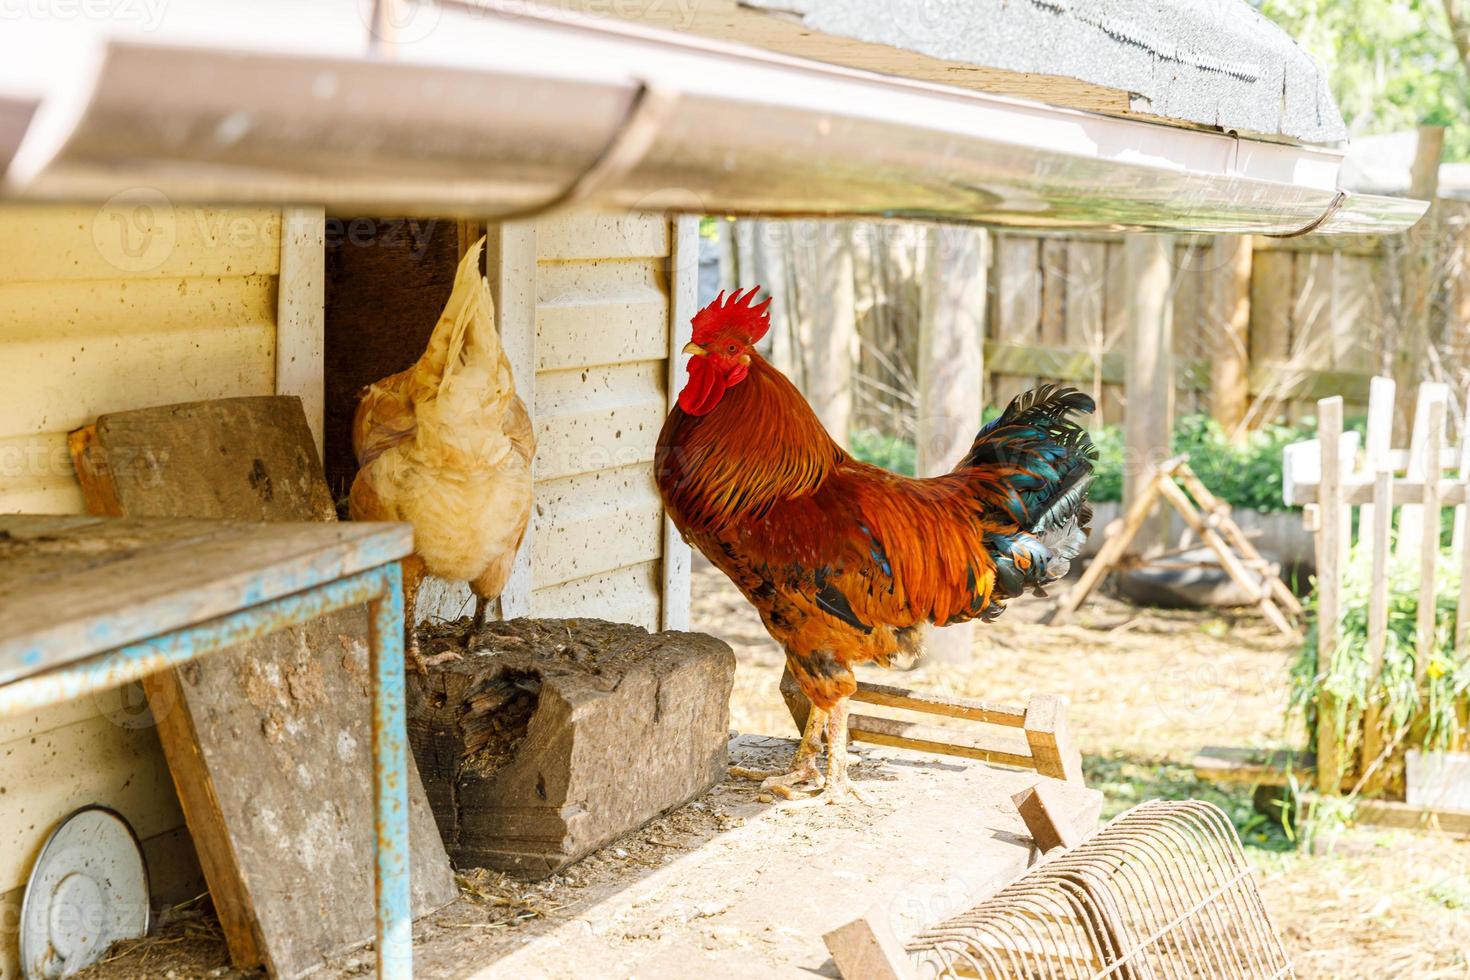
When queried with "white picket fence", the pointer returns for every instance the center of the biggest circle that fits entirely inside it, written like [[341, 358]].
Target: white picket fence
[[1340, 471]]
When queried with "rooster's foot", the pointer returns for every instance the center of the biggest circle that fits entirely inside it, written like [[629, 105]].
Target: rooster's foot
[[786, 784], [442, 658]]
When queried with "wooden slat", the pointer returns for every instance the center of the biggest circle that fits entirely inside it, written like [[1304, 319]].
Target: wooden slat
[[301, 314], [1329, 585], [1084, 326], [1271, 305], [595, 522], [590, 235], [1423, 460], [1430, 514], [598, 418], [948, 705], [137, 237], [510, 266], [1003, 749], [1054, 273], [1230, 316], [683, 300], [611, 313], [1380, 544], [625, 595]]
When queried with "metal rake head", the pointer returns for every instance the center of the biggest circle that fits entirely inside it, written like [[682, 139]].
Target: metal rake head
[[1162, 892]]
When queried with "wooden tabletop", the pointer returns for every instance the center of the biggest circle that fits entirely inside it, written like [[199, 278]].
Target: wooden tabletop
[[72, 587]]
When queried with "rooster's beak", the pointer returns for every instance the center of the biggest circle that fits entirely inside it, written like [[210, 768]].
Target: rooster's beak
[[693, 348]]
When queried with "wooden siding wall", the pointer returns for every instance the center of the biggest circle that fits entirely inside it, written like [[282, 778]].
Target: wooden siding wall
[[108, 310], [601, 393]]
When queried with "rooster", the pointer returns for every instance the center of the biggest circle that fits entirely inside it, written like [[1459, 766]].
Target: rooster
[[846, 562], [447, 446]]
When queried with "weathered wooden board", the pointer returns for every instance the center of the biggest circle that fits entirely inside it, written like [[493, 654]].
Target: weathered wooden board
[[557, 736], [270, 744]]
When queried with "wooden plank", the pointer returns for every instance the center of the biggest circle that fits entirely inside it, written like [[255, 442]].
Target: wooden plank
[[581, 235], [1422, 461], [1329, 585], [1271, 306], [596, 522], [1230, 320], [301, 314], [997, 748], [608, 313], [513, 273], [1018, 307], [1380, 544], [137, 236], [1084, 326], [1058, 814], [683, 304], [77, 349], [629, 594], [1356, 311], [267, 741], [1430, 514], [1149, 383], [598, 418], [1049, 739], [947, 705], [1053, 270], [1312, 301], [867, 948]]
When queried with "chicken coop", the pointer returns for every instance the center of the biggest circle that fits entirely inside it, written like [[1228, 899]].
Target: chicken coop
[[200, 204]]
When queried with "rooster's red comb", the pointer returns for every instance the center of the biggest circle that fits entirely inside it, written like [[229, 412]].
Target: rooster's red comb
[[751, 322]]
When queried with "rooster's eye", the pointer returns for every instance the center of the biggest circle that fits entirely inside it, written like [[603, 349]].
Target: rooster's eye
[[731, 348]]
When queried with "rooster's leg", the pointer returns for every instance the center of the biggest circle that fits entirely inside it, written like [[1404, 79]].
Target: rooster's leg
[[803, 767], [839, 787]]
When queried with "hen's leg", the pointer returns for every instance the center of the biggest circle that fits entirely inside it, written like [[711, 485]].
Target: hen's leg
[[478, 624], [413, 574], [803, 765]]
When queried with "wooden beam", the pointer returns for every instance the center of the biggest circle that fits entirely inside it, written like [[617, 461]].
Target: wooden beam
[[683, 303], [1149, 372], [301, 315], [510, 264], [951, 375], [1230, 329]]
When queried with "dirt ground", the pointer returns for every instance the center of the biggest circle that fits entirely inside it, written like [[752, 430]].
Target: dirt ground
[[1146, 688]]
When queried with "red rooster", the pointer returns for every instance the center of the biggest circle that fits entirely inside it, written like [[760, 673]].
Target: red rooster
[[847, 562]]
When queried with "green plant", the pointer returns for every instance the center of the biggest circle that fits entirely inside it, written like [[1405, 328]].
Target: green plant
[[1348, 677], [890, 452], [1246, 475]]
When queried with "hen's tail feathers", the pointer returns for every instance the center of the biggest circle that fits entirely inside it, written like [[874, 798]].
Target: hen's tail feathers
[[465, 333], [1052, 459]]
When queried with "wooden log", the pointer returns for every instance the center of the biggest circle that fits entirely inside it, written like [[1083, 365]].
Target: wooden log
[[1149, 422], [1329, 585], [555, 737]]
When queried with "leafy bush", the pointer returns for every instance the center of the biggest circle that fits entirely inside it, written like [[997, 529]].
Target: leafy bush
[[1246, 475], [890, 452], [1348, 676]]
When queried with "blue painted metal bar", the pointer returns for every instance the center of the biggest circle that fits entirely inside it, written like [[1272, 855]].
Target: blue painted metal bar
[[390, 786], [382, 589]]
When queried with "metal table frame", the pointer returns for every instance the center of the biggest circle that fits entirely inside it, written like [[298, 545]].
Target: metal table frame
[[381, 588]]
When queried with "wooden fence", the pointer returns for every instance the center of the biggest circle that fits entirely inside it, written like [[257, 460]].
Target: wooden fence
[[1399, 497], [1291, 320]]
